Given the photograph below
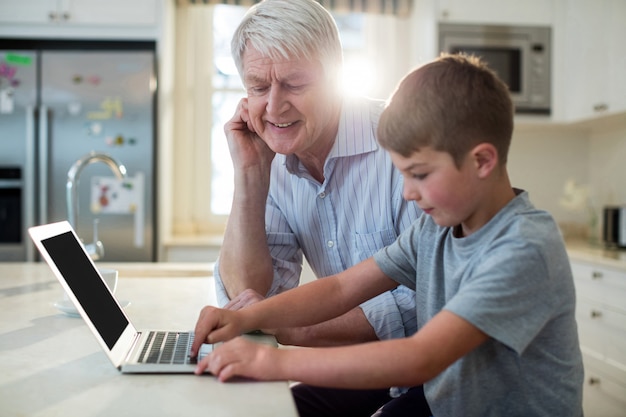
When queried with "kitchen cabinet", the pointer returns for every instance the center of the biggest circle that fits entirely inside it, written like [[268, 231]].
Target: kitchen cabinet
[[79, 12], [427, 14], [529, 12], [79, 18], [593, 58], [589, 52], [601, 317]]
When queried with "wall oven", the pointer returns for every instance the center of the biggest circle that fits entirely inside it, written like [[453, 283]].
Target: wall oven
[[12, 226], [520, 55]]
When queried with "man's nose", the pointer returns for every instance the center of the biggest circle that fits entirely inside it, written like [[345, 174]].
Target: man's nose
[[276, 101]]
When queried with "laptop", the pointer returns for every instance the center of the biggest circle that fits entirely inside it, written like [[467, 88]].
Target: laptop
[[130, 350]]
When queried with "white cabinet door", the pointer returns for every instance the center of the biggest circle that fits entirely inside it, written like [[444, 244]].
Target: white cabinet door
[[31, 11], [601, 318], [528, 12], [112, 12], [595, 58], [586, 58], [80, 12], [616, 65]]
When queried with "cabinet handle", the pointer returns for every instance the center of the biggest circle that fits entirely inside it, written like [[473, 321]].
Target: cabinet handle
[[593, 381], [52, 16], [600, 107], [595, 314], [596, 275], [66, 16]]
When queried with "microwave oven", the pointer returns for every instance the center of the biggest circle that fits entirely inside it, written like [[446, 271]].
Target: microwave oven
[[520, 55]]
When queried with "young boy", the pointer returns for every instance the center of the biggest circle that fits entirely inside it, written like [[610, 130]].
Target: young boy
[[495, 296]]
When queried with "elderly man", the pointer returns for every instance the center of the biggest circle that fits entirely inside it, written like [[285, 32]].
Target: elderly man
[[310, 180]]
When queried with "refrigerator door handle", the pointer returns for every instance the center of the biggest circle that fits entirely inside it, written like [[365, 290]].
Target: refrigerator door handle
[[29, 180], [43, 164]]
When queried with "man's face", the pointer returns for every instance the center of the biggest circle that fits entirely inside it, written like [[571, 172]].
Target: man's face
[[291, 104]]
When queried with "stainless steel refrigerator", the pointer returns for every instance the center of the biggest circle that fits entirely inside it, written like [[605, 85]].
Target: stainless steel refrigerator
[[62, 102]]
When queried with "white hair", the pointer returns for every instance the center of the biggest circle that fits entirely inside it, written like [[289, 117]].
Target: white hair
[[287, 29]]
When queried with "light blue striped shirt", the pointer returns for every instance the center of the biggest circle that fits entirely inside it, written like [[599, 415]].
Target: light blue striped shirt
[[358, 210]]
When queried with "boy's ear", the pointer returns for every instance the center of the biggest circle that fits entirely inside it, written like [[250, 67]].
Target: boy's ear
[[485, 159]]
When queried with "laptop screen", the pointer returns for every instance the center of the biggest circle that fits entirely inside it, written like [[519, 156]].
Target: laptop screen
[[91, 292]]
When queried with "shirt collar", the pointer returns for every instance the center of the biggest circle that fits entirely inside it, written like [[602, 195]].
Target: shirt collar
[[356, 134]]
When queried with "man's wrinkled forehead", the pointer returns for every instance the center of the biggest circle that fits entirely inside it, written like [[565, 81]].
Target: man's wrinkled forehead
[[259, 68]]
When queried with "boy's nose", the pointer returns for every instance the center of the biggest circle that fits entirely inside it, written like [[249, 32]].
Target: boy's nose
[[410, 194]]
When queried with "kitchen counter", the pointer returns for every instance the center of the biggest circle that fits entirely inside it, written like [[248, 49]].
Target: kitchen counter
[[160, 269], [596, 254], [51, 364]]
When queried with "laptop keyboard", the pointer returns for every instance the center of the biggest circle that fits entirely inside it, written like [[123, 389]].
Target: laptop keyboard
[[167, 347]]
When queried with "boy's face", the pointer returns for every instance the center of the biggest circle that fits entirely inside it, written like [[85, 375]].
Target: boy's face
[[440, 189]]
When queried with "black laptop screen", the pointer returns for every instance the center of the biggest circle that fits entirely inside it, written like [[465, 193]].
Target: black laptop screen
[[89, 289]]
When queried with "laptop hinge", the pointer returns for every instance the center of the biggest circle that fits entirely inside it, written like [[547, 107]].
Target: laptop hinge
[[132, 347]]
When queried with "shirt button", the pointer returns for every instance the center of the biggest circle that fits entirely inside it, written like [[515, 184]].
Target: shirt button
[[330, 243], [322, 194]]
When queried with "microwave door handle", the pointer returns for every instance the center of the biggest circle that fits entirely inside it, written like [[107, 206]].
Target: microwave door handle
[[28, 180], [43, 164]]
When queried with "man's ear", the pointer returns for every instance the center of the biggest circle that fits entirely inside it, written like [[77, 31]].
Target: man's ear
[[485, 157]]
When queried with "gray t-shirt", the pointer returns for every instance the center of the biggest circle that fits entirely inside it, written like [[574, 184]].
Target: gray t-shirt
[[511, 279]]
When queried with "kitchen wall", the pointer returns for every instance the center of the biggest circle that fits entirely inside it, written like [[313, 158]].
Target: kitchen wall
[[607, 162], [541, 160], [591, 153]]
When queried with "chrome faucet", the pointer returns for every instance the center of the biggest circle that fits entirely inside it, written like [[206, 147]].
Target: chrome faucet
[[95, 249]]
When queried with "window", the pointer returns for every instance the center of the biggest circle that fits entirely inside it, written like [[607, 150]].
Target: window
[[227, 91]]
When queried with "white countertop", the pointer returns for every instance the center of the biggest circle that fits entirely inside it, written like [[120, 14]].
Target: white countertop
[[51, 365], [597, 254]]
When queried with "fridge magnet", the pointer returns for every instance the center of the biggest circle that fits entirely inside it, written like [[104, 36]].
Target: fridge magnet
[[109, 108], [95, 129], [6, 101], [17, 59], [110, 195], [74, 108], [94, 80], [114, 141], [7, 71]]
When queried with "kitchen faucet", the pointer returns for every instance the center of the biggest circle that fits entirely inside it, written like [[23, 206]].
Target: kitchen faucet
[[95, 249]]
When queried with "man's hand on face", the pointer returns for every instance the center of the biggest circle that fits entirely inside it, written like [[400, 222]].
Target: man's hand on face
[[246, 147]]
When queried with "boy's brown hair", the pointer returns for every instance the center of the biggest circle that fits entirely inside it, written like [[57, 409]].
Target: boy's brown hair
[[450, 104]]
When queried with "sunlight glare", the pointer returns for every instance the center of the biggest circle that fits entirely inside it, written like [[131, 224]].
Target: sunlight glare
[[359, 77]]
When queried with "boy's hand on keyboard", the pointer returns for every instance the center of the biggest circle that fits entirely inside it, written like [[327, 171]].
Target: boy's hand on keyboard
[[241, 357], [215, 325]]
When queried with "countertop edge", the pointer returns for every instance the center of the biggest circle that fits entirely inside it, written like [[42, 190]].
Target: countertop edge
[[595, 253]]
